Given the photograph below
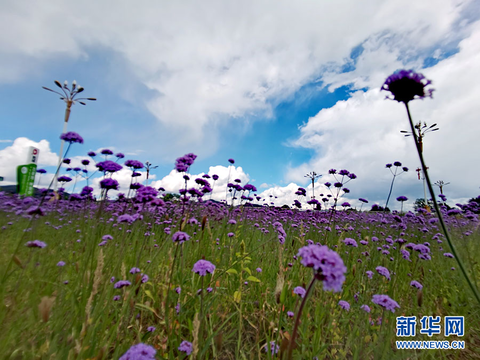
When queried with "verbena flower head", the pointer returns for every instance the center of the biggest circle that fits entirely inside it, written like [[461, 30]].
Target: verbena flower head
[[202, 267], [72, 137], [139, 352], [41, 171], [300, 291], [64, 179], [183, 163], [106, 152], [344, 305], [120, 155], [326, 263], [36, 243], [61, 263], [365, 308], [350, 242], [186, 347], [231, 161], [416, 284], [108, 166], [402, 198], [180, 237], [91, 154], [386, 302], [109, 184], [274, 348], [134, 164], [122, 283], [406, 85], [383, 271]]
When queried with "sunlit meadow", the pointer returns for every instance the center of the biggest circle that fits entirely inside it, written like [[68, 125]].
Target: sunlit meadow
[[151, 275]]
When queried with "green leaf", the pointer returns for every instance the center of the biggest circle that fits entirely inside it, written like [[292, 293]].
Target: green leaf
[[237, 296], [232, 271], [248, 270], [149, 294], [252, 278]]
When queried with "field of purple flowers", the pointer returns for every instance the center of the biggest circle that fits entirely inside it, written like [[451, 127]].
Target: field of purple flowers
[[151, 276]]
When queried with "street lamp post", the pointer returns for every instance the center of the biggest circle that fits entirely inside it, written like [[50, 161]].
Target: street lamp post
[[69, 97], [312, 176], [149, 166], [422, 130]]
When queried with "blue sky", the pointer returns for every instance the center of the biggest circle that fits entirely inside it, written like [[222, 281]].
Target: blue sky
[[283, 89]]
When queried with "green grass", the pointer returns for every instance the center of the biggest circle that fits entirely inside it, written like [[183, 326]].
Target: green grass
[[80, 320]]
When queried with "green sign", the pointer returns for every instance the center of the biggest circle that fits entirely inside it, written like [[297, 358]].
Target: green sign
[[25, 179], [1, 178]]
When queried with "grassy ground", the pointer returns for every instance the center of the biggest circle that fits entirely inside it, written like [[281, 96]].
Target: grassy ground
[[68, 312]]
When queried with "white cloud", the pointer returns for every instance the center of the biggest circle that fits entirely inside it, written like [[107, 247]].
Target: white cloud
[[207, 62], [6, 141], [362, 134]]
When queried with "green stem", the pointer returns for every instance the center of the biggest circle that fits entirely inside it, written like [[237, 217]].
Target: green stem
[[437, 209], [297, 319]]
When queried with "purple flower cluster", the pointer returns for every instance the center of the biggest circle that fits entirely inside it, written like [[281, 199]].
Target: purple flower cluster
[[186, 347], [202, 267], [386, 302], [139, 352], [122, 283], [326, 263], [109, 184], [182, 164], [180, 237], [36, 243], [383, 271], [71, 137], [135, 164], [108, 166], [406, 85]]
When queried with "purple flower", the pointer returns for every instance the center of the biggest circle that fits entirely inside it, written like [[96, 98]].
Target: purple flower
[[139, 352], [416, 284], [449, 255], [120, 284], [345, 305], [290, 313], [186, 347], [365, 308], [134, 270], [350, 242], [183, 163], [259, 270], [180, 237], [64, 179], [109, 184], [106, 152], [61, 263], [41, 171], [405, 85], [91, 154], [134, 164], [151, 329], [120, 155], [363, 200], [327, 264], [397, 163], [300, 291], [231, 161], [421, 248], [402, 198], [72, 137], [178, 290], [144, 278], [369, 274], [116, 298], [202, 267], [383, 271], [108, 166], [36, 243], [274, 348], [386, 302]]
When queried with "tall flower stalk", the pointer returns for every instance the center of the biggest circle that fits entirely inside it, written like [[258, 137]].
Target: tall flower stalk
[[328, 267], [395, 174], [406, 85]]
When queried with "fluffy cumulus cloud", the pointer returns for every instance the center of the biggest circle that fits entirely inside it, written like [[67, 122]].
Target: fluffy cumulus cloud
[[362, 134], [16, 154], [207, 63]]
